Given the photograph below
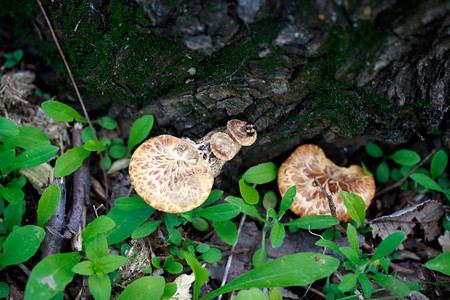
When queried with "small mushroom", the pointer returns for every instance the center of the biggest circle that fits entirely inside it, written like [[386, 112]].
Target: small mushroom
[[308, 162], [170, 175], [238, 130], [223, 146]]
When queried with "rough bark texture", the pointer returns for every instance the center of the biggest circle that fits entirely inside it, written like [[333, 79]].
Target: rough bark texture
[[339, 72]]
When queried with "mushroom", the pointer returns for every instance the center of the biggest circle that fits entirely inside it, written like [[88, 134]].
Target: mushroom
[[176, 175], [308, 162]]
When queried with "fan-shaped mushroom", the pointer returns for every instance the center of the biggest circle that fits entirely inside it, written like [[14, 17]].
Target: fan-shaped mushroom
[[308, 162]]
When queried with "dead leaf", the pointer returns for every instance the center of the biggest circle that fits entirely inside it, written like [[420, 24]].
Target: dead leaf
[[426, 214]]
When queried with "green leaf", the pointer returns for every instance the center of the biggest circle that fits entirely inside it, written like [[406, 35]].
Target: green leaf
[[8, 128], [251, 294], [261, 174], [438, 163], [365, 170], [18, 55], [13, 215], [270, 200], [441, 263], [227, 231], [100, 286], [28, 138], [156, 262], [51, 275], [277, 235], [96, 247], [200, 224], [47, 203], [405, 157], [350, 254], [244, 207], [249, 193], [145, 229], [348, 282], [84, 268], [4, 289], [202, 248], [212, 256], [61, 112], [14, 249], [201, 274], [140, 130], [12, 194], [213, 197], [329, 244], [117, 151], [365, 284], [382, 172], [112, 262], [34, 157], [102, 224], [356, 207], [353, 238], [395, 286], [70, 161], [219, 212], [169, 290], [313, 222], [288, 198], [107, 123], [174, 236], [130, 203], [388, 245], [291, 270], [94, 145], [427, 182], [275, 294], [87, 135], [373, 150], [150, 287], [7, 157]]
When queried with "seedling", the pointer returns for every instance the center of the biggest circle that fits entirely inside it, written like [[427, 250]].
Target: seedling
[[13, 58]]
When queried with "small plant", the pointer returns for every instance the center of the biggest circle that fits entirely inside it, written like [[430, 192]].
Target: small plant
[[13, 58]]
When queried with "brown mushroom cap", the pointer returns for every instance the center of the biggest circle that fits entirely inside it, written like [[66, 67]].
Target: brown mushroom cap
[[237, 129], [223, 146], [309, 161], [170, 175]]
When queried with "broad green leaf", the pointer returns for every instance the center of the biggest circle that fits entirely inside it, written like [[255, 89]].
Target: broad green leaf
[[275, 294], [219, 212], [150, 287], [395, 286], [174, 268], [200, 224], [7, 157], [212, 256], [373, 150], [251, 294], [259, 258], [174, 236], [438, 163], [227, 231], [388, 245], [140, 130], [262, 173], [130, 203], [12, 194], [405, 157], [61, 112], [156, 262], [201, 273], [145, 229], [14, 250], [28, 138], [348, 282], [107, 123], [213, 197], [87, 135], [96, 247], [356, 206], [8, 128], [291, 270], [117, 151], [396, 174], [441, 263], [277, 235], [313, 222], [202, 248], [248, 193], [270, 200], [102, 224], [70, 161], [47, 203], [13, 215], [51, 275], [382, 172], [171, 220], [353, 238], [427, 182], [127, 222], [111, 262], [94, 145], [365, 284], [34, 157], [84, 268], [328, 244], [100, 286], [244, 207], [350, 254], [169, 290], [288, 198], [4, 289]]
